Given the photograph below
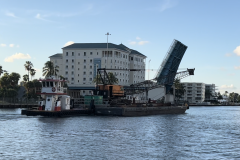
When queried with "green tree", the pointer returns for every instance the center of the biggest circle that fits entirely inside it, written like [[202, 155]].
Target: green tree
[[28, 66], [49, 69], [219, 96], [112, 79], [233, 97], [14, 78], [1, 70], [226, 92], [179, 89], [208, 94], [32, 73], [25, 78], [11, 93], [5, 81]]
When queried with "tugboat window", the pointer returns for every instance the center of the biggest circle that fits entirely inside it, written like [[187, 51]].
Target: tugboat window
[[47, 84], [43, 83], [51, 84]]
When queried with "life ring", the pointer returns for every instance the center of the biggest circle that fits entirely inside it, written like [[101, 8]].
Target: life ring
[[53, 89]]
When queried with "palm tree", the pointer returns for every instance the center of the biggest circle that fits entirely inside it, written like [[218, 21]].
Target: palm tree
[[49, 69], [14, 78], [179, 89], [28, 66], [25, 78], [1, 70], [32, 73]]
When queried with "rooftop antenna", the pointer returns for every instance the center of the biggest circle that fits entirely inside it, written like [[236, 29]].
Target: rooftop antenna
[[107, 46]]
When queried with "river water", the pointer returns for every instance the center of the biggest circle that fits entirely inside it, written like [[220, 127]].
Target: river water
[[200, 133]]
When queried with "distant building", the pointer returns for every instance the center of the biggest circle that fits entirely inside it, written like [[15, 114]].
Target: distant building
[[212, 89], [79, 62], [195, 92]]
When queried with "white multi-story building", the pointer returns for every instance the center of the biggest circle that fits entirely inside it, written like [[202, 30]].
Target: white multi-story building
[[195, 92], [79, 63]]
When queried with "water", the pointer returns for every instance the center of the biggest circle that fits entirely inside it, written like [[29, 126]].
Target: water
[[201, 133]]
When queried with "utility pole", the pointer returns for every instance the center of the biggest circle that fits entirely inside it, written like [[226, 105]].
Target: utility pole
[[149, 68], [107, 46]]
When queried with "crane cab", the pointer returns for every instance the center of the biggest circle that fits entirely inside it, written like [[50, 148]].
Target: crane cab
[[110, 91]]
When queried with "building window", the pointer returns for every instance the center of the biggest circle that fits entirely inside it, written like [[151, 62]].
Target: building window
[[72, 73], [78, 68], [66, 53], [84, 73], [90, 79], [78, 62], [90, 67], [78, 75], [67, 66], [79, 54], [66, 60], [84, 53], [84, 79], [90, 60], [72, 53], [72, 60], [78, 80], [90, 53], [84, 60], [72, 79], [66, 72], [72, 66], [97, 53], [90, 73], [84, 67]]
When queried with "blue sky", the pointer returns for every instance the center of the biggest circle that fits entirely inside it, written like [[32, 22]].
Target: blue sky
[[35, 30]]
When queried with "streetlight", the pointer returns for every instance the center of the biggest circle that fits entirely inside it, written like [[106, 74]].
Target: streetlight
[[149, 68], [107, 45]]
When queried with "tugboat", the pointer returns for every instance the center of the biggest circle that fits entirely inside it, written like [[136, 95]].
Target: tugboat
[[53, 95], [54, 100]]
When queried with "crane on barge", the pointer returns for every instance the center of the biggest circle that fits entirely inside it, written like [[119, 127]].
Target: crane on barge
[[166, 75]]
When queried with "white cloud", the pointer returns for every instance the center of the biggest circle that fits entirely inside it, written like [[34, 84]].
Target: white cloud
[[227, 86], [143, 42], [11, 45], [10, 14], [3, 45], [237, 67], [17, 56], [237, 51], [68, 43], [138, 38], [40, 17], [138, 43], [17, 46]]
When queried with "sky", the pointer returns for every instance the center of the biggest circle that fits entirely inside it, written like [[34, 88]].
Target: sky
[[34, 30]]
